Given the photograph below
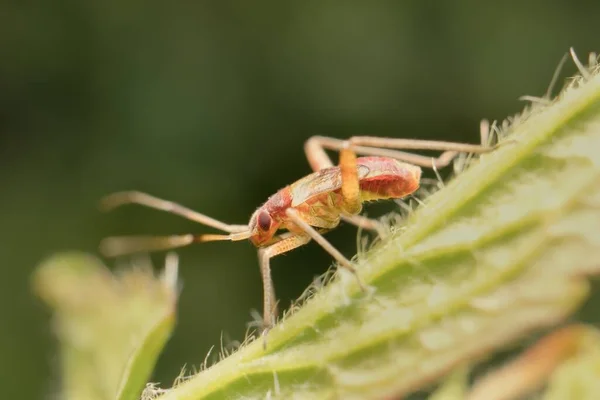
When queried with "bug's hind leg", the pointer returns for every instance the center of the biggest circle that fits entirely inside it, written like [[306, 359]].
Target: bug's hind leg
[[390, 147], [314, 149]]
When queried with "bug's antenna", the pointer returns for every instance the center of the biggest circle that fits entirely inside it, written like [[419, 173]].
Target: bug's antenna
[[121, 245], [119, 199]]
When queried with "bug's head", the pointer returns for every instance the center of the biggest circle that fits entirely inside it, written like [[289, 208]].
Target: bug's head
[[263, 227]]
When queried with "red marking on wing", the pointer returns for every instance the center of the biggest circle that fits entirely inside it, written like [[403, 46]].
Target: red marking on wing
[[388, 178]]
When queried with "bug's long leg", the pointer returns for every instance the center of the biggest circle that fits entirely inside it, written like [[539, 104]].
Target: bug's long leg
[[133, 197], [383, 147], [324, 243], [387, 147], [314, 148], [121, 245], [287, 242]]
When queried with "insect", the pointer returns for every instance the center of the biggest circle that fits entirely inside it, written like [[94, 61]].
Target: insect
[[309, 207]]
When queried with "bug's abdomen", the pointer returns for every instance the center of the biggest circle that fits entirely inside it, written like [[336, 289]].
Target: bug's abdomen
[[388, 178]]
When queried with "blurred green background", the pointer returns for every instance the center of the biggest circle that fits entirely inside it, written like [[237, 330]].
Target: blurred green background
[[208, 103]]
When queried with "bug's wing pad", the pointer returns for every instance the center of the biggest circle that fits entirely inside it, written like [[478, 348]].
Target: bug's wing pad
[[325, 180]]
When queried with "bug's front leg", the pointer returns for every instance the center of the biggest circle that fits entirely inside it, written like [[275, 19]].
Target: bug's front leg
[[304, 222], [287, 242]]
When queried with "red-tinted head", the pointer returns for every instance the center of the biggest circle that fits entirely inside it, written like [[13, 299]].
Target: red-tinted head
[[265, 221], [263, 227]]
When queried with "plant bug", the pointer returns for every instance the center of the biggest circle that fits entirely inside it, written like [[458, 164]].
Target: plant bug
[[311, 206]]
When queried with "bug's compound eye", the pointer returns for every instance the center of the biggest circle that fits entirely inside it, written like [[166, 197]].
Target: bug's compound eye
[[264, 221]]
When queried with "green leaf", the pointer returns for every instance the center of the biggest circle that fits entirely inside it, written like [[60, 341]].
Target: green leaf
[[454, 387], [501, 251], [111, 327]]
